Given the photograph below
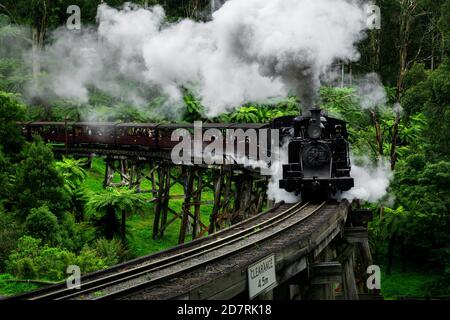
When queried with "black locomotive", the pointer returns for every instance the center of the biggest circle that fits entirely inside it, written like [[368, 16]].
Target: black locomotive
[[319, 162]]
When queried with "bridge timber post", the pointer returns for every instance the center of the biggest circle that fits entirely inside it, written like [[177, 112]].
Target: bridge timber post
[[355, 255], [188, 186], [218, 182], [197, 203], [348, 276], [238, 193]]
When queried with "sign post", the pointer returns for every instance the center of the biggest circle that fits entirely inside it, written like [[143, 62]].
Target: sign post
[[261, 276]]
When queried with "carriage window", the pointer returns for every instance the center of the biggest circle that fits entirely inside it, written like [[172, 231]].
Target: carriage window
[[135, 132]]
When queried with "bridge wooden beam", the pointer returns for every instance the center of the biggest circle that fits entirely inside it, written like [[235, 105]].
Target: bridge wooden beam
[[359, 217], [218, 185], [165, 198], [326, 272], [188, 190], [346, 258], [356, 234], [349, 281], [159, 204], [197, 203]]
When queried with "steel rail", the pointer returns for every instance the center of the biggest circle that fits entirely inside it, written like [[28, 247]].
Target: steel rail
[[132, 289], [168, 261], [286, 215]]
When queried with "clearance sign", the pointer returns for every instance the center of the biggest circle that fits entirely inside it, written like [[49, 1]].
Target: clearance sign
[[261, 276]]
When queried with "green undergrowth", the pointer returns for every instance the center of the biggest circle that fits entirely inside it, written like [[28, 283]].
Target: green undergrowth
[[410, 284], [140, 225], [8, 287]]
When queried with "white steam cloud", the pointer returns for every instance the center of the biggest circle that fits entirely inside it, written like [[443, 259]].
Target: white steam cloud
[[273, 190], [371, 91], [251, 50], [371, 182]]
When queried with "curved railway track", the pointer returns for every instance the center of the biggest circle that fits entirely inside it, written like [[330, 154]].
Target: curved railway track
[[153, 270]]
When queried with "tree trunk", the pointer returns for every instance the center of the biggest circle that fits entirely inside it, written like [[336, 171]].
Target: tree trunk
[[110, 223], [403, 254], [36, 51], [406, 17], [432, 51], [375, 46], [38, 30], [402, 71], [123, 225], [394, 141], [378, 137], [390, 256]]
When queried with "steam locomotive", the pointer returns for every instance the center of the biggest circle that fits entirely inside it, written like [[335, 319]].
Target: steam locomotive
[[318, 152]]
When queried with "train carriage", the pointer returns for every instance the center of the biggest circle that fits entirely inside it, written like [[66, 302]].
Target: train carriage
[[55, 132], [143, 135], [164, 132], [89, 133]]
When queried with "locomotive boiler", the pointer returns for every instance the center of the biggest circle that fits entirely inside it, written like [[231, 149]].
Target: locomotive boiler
[[318, 153]]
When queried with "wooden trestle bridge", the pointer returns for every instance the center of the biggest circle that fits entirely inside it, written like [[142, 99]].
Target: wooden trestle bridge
[[238, 192], [308, 250]]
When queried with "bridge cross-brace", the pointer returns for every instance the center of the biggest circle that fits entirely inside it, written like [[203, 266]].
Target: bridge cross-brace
[[238, 193]]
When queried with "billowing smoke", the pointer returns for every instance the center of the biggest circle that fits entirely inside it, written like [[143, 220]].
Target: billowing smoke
[[251, 50], [371, 91], [371, 181]]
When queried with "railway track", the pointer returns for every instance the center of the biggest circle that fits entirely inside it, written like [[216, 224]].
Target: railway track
[[156, 269]]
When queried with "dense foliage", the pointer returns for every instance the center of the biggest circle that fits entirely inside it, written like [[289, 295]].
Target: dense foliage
[[49, 219]]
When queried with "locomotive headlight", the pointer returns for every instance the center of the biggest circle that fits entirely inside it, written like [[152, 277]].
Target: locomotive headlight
[[314, 131]]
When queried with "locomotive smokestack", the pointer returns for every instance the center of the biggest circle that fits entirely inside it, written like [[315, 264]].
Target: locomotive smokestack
[[315, 114]]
